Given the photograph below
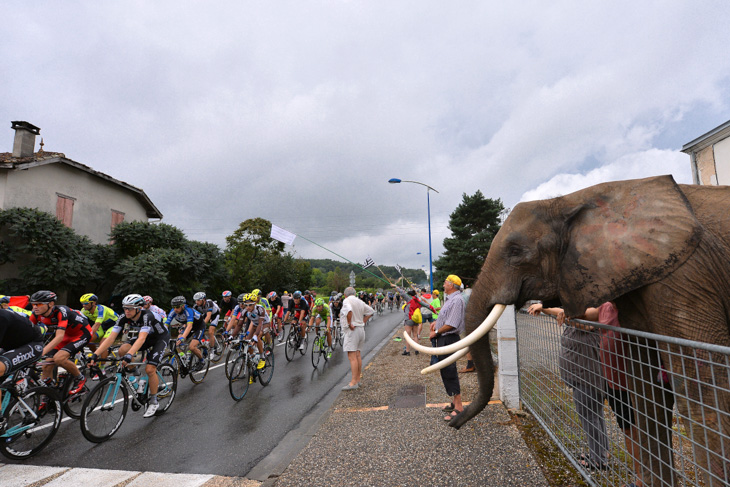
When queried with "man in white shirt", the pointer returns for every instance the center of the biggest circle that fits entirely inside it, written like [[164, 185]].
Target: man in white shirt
[[355, 313]]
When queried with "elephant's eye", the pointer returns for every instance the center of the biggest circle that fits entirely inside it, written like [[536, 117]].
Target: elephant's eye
[[514, 251]]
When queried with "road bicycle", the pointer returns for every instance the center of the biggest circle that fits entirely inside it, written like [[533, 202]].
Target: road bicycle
[[29, 416], [390, 305], [319, 345], [105, 407], [336, 333], [218, 348], [379, 307], [185, 362], [294, 341], [244, 369], [62, 384]]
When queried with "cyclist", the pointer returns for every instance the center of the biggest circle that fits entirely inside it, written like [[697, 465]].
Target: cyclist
[[258, 319], [151, 335], [390, 300], [20, 343], [298, 310], [277, 311], [158, 312], [233, 327], [256, 296], [73, 331], [227, 304], [102, 317], [194, 327], [380, 300], [210, 312], [309, 298], [321, 312]]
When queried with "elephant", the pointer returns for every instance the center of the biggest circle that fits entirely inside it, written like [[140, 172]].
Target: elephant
[[661, 252]]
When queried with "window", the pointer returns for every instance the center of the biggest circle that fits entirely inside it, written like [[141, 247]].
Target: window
[[117, 218], [65, 209]]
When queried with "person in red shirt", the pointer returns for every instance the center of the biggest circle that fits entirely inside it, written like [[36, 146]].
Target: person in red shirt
[[73, 331]]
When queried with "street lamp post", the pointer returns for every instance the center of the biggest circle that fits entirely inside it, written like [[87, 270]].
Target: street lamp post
[[428, 202]]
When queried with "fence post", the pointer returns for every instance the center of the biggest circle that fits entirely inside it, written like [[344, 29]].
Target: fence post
[[508, 370]]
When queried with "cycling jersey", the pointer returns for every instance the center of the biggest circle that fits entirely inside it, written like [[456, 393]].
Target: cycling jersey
[[265, 303], [336, 308], [103, 315], [257, 312], [187, 316], [323, 313], [20, 311], [158, 312], [298, 310], [22, 343], [209, 305], [146, 322], [227, 306], [64, 318]]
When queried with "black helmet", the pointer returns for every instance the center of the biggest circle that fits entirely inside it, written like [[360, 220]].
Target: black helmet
[[178, 301], [297, 295], [43, 297]]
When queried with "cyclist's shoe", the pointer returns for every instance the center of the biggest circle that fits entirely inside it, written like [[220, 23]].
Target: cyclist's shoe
[[77, 386], [250, 380], [151, 410], [301, 346], [260, 365], [199, 365], [329, 353]]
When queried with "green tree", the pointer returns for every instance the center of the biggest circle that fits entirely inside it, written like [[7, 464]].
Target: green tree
[[337, 280], [473, 225], [45, 253]]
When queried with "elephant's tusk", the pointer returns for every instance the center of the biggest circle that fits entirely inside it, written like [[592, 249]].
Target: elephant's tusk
[[482, 330], [447, 361]]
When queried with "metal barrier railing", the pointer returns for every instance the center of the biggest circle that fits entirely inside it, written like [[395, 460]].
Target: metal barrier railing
[[574, 382]]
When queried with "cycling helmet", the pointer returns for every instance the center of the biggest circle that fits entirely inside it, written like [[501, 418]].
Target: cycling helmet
[[5, 299], [43, 297], [227, 293], [255, 293], [319, 302], [198, 296], [249, 299], [178, 301], [307, 292], [133, 300], [333, 293], [87, 298], [271, 295], [240, 298], [147, 299], [297, 295]]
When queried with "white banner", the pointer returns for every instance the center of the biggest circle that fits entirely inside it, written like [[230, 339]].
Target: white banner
[[368, 262], [398, 268], [278, 233]]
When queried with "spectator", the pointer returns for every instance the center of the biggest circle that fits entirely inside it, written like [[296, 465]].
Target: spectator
[[409, 323], [580, 369], [446, 330], [426, 313], [355, 313]]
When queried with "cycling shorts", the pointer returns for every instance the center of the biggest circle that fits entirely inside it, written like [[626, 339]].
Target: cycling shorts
[[21, 357], [155, 347], [197, 335], [103, 331], [73, 344]]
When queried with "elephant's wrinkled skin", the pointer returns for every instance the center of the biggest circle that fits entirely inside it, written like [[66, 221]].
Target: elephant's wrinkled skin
[[661, 251]]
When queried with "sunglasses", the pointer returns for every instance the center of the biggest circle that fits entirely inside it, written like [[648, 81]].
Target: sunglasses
[[126, 308]]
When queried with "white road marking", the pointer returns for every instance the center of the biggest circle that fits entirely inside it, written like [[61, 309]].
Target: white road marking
[[22, 475]]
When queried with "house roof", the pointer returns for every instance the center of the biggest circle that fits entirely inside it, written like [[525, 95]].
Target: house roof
[[41, 158], [706, 140]]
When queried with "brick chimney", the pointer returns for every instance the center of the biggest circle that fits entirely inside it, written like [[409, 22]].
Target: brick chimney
[[24, 138]]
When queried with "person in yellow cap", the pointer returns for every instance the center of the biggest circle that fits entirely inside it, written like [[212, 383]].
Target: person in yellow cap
[[446, 330]]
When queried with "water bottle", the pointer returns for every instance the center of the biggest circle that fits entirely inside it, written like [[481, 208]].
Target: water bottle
[[141, 386], [132, 379], [181, 354]]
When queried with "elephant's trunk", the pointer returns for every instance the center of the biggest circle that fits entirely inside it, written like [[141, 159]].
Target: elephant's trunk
[[481, 354]]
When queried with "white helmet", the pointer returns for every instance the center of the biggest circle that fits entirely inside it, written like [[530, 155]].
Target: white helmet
[[135, 300], [200, 295]]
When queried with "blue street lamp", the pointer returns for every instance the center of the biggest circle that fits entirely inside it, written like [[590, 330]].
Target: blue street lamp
[[428, 201]]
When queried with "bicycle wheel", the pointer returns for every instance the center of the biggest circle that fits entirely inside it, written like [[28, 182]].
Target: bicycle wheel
[[230, 358], [202, 366], [340, 335], [316, 350], [217, 349], [167, 389], [23, 435], [292, 343], [102, 415], [72, 404], [304, 341], [282, 333], [240, 375], [267, 372]]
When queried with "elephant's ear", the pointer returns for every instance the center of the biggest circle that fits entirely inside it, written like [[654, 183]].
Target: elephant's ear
[[621, 236]]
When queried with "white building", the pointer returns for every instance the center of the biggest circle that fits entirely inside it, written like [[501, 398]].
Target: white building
[[710, 156], [88, 201]]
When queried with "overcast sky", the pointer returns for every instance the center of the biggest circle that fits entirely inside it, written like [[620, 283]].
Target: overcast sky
[[300, 112]]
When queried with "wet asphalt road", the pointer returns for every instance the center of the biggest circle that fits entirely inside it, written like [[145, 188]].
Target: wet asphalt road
[[205, 431]]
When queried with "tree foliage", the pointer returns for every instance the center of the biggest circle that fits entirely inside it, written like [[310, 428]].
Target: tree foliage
[[48, 254], [473, 224]]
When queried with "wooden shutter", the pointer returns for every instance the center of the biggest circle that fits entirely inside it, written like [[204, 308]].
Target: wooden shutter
[[65, 209]]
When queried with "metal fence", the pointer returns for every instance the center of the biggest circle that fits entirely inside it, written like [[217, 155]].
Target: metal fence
[[582, 402]]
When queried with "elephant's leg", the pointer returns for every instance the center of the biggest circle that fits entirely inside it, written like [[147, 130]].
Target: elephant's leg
[[653, 404], [703, 401]]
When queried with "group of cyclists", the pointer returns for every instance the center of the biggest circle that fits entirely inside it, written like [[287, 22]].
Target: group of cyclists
[[61, 334]]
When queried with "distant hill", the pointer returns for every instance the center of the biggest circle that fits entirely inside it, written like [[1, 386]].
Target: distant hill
[[417, 276]]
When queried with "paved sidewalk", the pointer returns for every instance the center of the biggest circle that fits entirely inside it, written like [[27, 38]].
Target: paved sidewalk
[[391, 431]]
